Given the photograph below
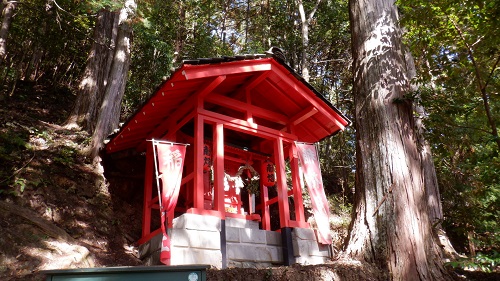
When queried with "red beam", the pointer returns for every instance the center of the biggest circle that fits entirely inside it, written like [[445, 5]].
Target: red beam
[[184, 109], [187, 106], [174, 128], [303, 115], [246, 127], [148, 237], [278, 90], [275, 199], [187, 178], [299, 224], [245, 107], [311, 97], [255, 81], [200, 71]]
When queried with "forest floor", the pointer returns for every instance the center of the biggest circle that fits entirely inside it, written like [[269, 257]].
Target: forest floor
[[56, 211]]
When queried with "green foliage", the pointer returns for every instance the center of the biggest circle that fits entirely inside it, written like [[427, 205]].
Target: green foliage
[[160, 33], [342, 208], [9, 143], [66, 155], [481, 262], [456, 53], [7, 192], [93, 6], [253, 186], [45, 43], [20, 183]]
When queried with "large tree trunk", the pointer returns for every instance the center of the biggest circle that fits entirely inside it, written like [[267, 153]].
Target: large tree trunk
[[109, 114], [428, 168], [94, 80], [7, 14], [435, 210], [391, 224]]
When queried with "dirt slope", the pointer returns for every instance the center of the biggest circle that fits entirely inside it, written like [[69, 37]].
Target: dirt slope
[[55, 209]]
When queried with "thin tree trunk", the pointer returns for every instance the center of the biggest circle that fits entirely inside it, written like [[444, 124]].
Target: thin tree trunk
[[306, 21], [109, 113], [34, 64], [7, 14], [225, 8], [92, 86], [247, 24], [33, 67], [181, 34], [391, 224]]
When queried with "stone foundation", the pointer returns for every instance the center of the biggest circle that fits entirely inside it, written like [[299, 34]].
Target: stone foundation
[[194, 239], [197, 239], [249, 246], [306, 249]]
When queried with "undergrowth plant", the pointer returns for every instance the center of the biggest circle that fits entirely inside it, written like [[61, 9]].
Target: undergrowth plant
[[481, 262]]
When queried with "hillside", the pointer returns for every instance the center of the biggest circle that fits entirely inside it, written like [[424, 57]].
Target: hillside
[[56, 210]]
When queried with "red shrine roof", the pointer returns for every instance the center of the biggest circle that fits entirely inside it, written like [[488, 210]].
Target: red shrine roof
[[274, 94]]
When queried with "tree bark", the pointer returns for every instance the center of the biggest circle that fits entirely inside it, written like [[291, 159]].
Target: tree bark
[[109, 114], [7, 14], [391, 224], [92, 86], [429, 170]]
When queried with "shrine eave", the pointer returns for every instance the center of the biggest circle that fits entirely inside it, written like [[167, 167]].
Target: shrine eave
[[260, 86]]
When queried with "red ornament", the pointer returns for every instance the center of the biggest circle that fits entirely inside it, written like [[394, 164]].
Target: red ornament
[[268, 174], [207, 157]]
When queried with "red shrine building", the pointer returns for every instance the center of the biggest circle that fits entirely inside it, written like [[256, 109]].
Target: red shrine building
[[240, 199]]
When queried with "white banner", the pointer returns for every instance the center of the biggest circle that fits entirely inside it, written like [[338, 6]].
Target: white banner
[[169, 164], [312, 173]]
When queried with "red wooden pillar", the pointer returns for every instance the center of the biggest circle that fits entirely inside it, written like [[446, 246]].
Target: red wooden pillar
[[198, 188], [264, 198], [218, 156], [279, 159], [297, 187], [148, 191]]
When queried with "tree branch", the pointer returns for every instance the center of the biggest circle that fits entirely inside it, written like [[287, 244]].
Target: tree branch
[[488, 79], [311, 15], [482, 87]]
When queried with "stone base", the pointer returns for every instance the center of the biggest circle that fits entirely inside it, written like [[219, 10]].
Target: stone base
[[196, 239], [306, 249]]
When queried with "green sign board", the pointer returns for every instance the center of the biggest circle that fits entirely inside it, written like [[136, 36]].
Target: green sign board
[[142, 273]]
